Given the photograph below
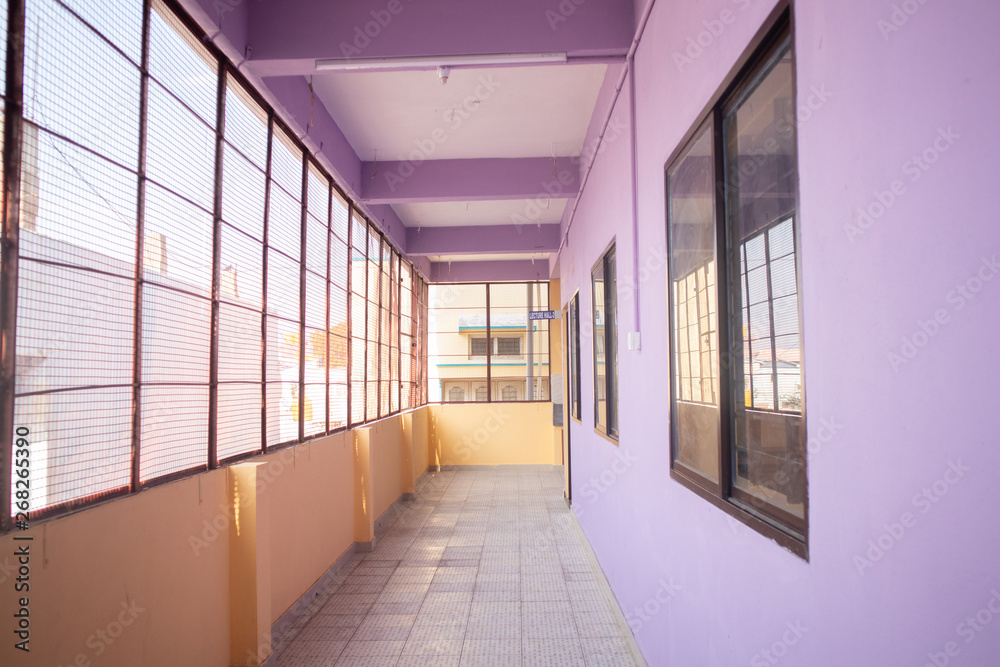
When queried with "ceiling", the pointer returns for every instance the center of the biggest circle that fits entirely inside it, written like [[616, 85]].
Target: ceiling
[[484, 164], [476, 213], [508, 112], [534, 111]]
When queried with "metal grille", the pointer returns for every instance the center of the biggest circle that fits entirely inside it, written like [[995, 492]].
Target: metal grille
[[374, 273], [486, 346], [359, 323], [144, 232], [75, 330]]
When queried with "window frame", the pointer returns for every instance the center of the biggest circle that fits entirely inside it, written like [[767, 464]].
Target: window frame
[[768, 46], [610, 429], [573, 344], [304, 275], [493, 388]]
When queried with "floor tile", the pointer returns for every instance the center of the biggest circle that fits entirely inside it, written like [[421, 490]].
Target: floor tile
[[482, 569]]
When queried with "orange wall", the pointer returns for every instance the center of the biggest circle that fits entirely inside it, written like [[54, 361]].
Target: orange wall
[[420, 421], [312, 522], [168, 549], [491, 434], [386, 442], [142, 549]]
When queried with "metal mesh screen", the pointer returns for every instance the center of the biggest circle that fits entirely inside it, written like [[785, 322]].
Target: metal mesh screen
[[457, 320], [177, 250], [337, 358], [75, 330], [519, 354], [483, 344], [374, 274], [143, 235], [359, 323]]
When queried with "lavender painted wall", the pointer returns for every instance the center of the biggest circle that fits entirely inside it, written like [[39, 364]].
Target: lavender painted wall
[[715, 592]]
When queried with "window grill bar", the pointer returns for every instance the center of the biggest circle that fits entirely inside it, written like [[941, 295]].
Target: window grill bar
[[13, 130], [326, 332], [489, 348], [213, 368], [303, 236], [350, 314], [140, 234], [265, 248]]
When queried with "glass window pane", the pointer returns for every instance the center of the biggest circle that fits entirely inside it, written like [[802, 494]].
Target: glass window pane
[[691, 192], [600, 363], [762, 172]]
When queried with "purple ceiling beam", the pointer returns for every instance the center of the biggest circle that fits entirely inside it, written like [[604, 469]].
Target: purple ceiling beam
[[481, 179], [482, 240], [493, 271], [287, 36]]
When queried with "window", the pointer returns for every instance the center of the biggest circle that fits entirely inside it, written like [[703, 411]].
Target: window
[[478, 346], [736, 387], [605, 345], [573, 337], [482, 336], [456, 395], [509, 393], [507, 347], [501, 346], [186, 297]]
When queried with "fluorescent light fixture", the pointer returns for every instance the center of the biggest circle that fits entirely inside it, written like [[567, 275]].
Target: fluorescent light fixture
[[433, 62]]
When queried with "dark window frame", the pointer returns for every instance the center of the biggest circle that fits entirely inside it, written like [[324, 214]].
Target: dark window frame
[[573, 343], [228, 83], [770, 44], [493, 396], [604, 267]]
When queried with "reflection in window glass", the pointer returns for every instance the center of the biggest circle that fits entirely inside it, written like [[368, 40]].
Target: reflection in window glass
[[604, 291], [767, 383], [695, 343]]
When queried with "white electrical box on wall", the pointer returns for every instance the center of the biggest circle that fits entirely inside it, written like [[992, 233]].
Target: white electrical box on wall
[[633, 340]]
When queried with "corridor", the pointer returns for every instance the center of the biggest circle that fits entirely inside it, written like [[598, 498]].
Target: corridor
[[485, 567]]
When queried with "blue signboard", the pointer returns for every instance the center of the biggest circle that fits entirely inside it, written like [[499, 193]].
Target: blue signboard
[[543, 315]]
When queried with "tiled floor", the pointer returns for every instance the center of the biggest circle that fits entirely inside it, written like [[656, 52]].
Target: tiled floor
[[485, 567]]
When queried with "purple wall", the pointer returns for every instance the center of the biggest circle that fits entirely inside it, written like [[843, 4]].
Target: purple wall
[[715, 592]]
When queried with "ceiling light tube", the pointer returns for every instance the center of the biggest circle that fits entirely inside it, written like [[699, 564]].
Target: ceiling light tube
[[433, 62]]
